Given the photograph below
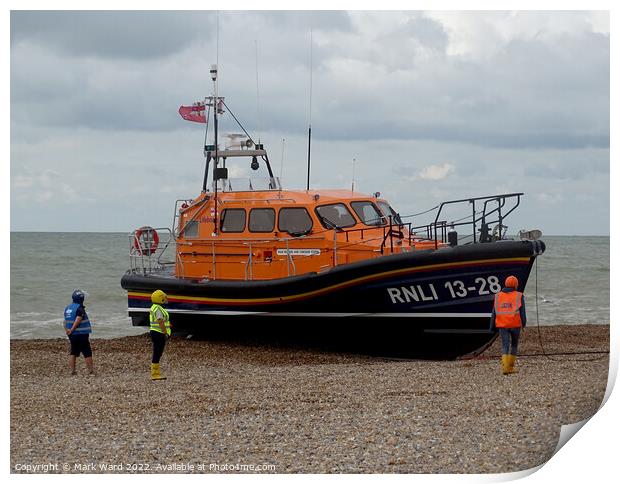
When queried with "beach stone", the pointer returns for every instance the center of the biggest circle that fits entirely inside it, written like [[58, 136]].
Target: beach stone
[[300, 410]]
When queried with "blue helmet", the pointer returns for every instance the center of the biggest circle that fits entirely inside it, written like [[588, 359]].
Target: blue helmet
[[78, 296]]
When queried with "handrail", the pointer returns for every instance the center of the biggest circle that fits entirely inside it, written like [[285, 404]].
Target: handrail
[[180, 261], [203, 202], [250, 256], [473, 200], [213, 257], [288, 200], [289, 259], [335, 249], [177, 214], [390, 233], [148, 258], [436, 230], [222, 240], [482, 216]]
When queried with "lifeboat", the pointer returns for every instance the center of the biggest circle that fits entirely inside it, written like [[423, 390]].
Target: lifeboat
[[327, 266]]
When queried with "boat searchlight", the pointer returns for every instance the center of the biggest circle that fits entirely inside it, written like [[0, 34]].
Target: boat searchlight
[[534, 234]]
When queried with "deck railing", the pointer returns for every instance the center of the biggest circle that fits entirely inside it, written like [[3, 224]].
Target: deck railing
[[484, 224], [147, 249]]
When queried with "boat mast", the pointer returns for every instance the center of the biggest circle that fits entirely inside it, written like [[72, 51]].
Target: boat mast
[[215, 108], [207, 153]]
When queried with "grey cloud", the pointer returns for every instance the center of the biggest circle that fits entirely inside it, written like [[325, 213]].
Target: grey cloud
[[530, 115], [533, 93], [428, 32], [117, 34], [530, 95], [298, 21], [568, 168], [111, 91]]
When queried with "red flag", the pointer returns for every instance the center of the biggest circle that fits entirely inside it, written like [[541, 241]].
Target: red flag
[[195, 113]]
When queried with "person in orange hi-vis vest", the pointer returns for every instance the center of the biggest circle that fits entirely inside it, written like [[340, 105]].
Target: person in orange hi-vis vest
[[508, 317]]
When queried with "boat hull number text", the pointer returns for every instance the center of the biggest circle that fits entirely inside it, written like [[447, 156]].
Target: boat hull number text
[[456, 289]]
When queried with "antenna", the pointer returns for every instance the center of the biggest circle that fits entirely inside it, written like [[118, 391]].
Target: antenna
[[309, 116], [257, 94], [217, 37], [282, 162], [353, 178]]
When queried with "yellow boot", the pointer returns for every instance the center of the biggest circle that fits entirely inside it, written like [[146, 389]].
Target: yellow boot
[[511, 363], [505, 364], [155, 373]]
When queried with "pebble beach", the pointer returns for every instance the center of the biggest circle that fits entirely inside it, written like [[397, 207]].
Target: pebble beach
[[235, 407]]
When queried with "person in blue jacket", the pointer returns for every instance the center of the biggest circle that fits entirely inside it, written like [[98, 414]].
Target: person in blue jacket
[[78, 329]]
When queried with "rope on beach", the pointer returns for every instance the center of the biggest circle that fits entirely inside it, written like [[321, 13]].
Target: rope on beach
[[603, 353], [545, 355]]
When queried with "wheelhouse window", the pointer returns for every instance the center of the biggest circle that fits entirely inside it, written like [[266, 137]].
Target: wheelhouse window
[[233, 220], [262, 220], [335, 215], [388, 210], [368, 213], [295, 221], [191, 229]]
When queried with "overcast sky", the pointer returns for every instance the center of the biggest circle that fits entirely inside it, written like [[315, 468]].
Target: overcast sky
[[432, 105]]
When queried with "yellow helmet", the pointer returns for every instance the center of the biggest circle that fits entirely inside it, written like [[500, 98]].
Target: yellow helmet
[[159, 297]]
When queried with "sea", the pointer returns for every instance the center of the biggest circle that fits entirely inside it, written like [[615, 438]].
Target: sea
[[570, 282]]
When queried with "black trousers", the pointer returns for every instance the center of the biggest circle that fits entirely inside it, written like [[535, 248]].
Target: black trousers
[[80, 344], [159, 342]]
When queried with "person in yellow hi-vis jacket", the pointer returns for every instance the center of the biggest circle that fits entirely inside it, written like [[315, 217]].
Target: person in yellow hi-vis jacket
[[160, 330]]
